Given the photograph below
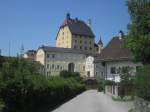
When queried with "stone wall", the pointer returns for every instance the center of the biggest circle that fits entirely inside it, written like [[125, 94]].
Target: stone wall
[[141, 105]]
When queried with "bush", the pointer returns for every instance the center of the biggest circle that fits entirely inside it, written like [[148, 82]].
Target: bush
[[110, 82], [67, 74], [142, 82], [23, 90], [101, 84], [126, 82]]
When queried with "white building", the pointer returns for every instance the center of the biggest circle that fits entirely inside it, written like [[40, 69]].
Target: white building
[[111, 61], [56, 59], [112, 58]]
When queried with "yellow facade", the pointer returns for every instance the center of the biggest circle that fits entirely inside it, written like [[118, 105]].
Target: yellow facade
[[64, 38], [67, 40]]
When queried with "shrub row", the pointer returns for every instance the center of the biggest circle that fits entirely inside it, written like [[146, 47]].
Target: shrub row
[[22, 90], [142, 82]]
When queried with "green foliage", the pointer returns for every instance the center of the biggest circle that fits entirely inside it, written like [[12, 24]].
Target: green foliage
[[132, 110], [126, 77], [67, 74], [22, 89], [101, 84], [126, 82], [138, 40], [110, 82], [142, 82], [125, 98]]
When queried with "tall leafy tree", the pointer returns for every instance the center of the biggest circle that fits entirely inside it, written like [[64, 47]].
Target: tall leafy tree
[[138, 40]]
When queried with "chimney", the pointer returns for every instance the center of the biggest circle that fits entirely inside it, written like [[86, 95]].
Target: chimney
[[89, 23]]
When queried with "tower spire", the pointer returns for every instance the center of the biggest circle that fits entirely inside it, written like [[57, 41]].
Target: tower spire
[[100, 45], [100, 41], [68, 16]]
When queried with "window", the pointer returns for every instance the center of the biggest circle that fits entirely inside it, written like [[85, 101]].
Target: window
[[83, 68], [75, 41], [113, 70], [75, 47], [53, 55], [80, 41], [61, 68], [85, 48], [57, 66], [48, 73], [96, 73], [47, 66], [80, 47], [48, 56], [90, 48], [52, 66]]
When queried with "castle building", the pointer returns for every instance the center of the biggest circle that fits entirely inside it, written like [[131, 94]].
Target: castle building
[[76, 34], [56, 59], [76, 51]]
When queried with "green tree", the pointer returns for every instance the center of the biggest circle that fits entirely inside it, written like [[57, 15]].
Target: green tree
[[138, 40], [126, 81], [142, 82], [23, 89]]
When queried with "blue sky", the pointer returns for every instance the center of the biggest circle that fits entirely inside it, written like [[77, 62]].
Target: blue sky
[[36, 22]]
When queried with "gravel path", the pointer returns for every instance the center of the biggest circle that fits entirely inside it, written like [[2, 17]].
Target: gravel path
[[93, 101]]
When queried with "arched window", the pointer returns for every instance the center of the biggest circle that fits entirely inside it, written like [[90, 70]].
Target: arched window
[[71, 67]]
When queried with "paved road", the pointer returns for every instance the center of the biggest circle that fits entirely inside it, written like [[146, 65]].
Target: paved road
[[93, 101]]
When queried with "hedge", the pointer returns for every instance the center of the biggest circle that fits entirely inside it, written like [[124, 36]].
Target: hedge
[[23, 90], [142, 82]]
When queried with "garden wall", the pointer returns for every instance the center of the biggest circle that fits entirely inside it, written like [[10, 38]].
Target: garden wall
[[111, 90]]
